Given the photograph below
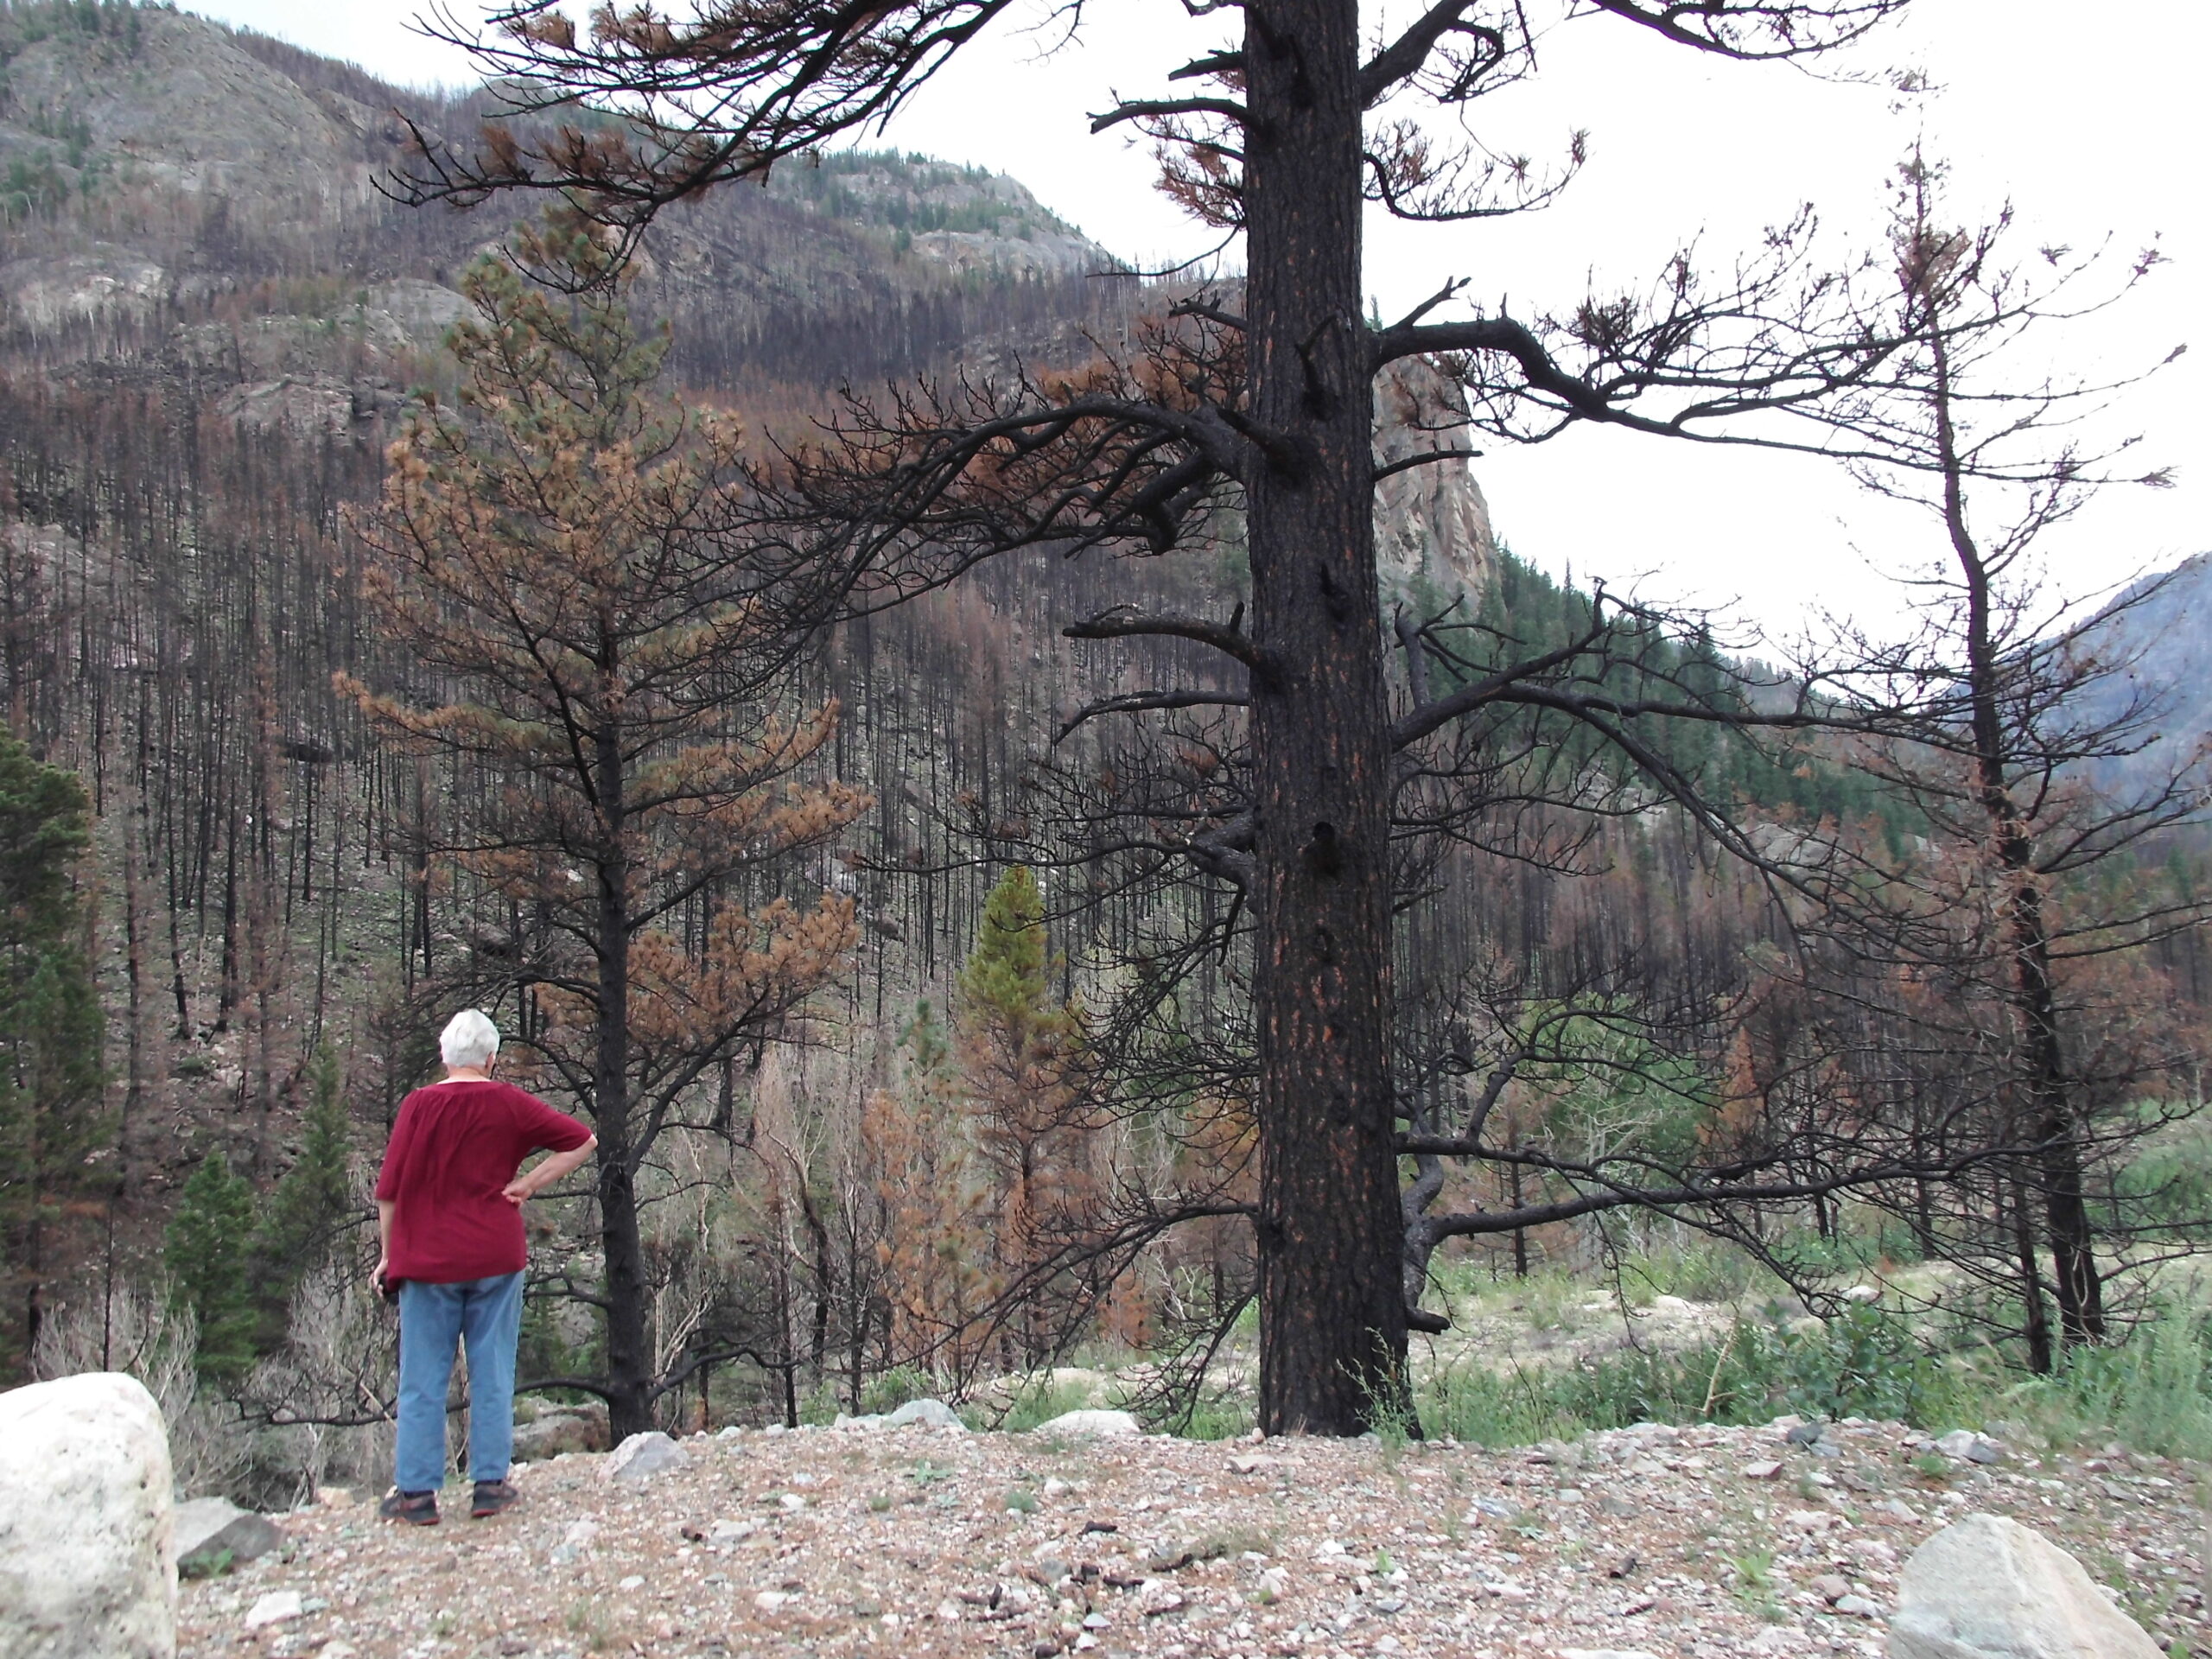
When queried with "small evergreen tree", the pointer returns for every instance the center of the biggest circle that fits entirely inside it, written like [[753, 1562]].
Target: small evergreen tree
[[311, 1202], [209, 1253], [933, 1250], [1022, 1065], [49, 1026]]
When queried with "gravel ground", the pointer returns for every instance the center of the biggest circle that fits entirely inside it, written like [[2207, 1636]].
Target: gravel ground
[[1697, 1543]]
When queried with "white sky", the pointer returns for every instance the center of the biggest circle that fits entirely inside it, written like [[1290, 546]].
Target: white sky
[[2092, 121]]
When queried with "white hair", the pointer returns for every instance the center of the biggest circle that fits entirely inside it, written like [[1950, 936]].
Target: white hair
[[469, 1038]]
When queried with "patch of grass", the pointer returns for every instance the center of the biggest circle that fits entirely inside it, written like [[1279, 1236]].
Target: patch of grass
[[206, 1564], [1700, 1272], [1042, 1400], [1554, 1301], [821, 1406], [1020, 1500], [2152, 1392], [1754, 1583], [588, 1621], [1224, 1417], [880, 1502], [1866, 1362]]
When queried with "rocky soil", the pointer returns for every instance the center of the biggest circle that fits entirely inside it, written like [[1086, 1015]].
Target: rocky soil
[[1697, 1542]]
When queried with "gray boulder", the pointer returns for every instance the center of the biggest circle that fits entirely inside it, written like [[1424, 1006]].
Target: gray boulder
[[207, 1527], [87, 1556], [1969, 1448], [1989, 1588], [931, 1414], [566, 1429], [642, 1456]]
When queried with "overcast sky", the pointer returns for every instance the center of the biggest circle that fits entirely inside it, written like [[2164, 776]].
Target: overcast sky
[[2092, 121]]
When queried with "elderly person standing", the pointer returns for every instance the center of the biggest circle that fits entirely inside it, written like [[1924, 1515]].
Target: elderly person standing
[[449, 1218]]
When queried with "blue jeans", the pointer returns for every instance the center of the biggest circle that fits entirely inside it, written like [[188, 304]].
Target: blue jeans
[[486, 1314]]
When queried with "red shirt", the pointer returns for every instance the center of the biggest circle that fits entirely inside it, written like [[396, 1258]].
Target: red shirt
[[456, 1146]]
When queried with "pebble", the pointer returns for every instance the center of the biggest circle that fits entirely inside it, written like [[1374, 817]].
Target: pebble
[[274, 1608]]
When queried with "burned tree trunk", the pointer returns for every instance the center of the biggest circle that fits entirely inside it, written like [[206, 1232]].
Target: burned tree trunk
[[1333, 1318], [629, 1353]]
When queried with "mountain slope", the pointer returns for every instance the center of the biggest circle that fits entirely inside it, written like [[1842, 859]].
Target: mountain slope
[[2160, 630]]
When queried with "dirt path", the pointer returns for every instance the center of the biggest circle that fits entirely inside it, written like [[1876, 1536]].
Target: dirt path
[[915, 1541]]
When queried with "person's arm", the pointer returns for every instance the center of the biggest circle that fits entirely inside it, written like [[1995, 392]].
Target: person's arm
[[531, 1182], [384, 1207], [387, 1192]]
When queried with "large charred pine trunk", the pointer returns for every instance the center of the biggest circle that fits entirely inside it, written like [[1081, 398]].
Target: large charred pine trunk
[[1332, 1324], [629, 1356]]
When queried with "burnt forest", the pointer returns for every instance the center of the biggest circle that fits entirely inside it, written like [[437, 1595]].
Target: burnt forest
[[752, 649]]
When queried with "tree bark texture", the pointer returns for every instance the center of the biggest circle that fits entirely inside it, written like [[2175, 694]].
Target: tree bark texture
[[629, 1356], [1333, 1321], [2076, 1279]]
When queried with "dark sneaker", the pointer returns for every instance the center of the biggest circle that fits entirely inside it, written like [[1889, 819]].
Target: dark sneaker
[[416, 1508], [492, 1496]]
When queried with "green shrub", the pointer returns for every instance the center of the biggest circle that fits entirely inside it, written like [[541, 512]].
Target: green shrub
[[2152, 1392], [1226, 1416], [820, 1405], [895, 1388]]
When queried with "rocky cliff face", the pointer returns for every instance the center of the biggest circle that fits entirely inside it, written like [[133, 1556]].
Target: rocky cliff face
[[173, 101], [1432, 537]]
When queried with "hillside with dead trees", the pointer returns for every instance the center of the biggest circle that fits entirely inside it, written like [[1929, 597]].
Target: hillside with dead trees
[[1038, 831]]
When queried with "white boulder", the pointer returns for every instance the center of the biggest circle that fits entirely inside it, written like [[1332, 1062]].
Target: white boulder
[[642, 1455], [1092, 1422], [87, 1556], [1989, 1588]]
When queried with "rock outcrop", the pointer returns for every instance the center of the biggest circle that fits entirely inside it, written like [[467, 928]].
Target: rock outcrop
[[213, 1532], [1988, 1587], [567, 1428], [1432, 537], [88, 1558], [2154, 637]]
